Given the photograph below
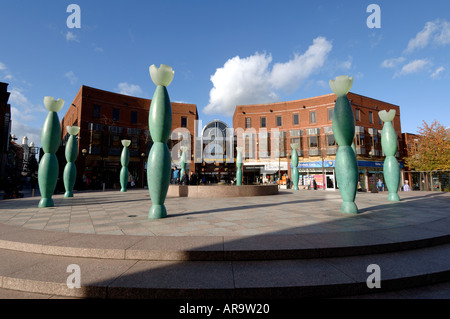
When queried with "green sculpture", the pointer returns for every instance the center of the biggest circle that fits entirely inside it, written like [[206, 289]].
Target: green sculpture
[[50, 139], [294, 162], [70, 170], [160, 126], [391, 168], [183, 161], [124, 160], [239, 163], [344, 131]]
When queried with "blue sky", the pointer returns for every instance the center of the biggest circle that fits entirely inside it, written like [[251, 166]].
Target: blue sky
[[226, 53]]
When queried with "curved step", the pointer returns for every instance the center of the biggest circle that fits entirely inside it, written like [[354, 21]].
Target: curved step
[[297, 278]]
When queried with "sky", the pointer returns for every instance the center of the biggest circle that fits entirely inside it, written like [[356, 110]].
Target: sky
[[226, 53]]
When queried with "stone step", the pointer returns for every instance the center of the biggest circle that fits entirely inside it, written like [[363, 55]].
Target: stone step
[[225, 248], [292, 278]]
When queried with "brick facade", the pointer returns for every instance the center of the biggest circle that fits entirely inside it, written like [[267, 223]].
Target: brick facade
[[105, 118]]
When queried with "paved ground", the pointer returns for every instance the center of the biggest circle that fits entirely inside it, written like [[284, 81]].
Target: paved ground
[[312, 217], [290, 212]]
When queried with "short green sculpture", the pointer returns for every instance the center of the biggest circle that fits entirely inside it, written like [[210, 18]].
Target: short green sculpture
[[183, 161], [70, 170], [391, 168], [160, 126], [124, 160], [294, 162], [50, 140], [239, 163], [344, 131]]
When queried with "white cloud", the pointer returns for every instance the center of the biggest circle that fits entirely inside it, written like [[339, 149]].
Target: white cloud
[[250, 81], [20, 130], [17, 98], [70, 36], [129, 89], [436, 73], [393, 62], [413, 67], [2, 67], [436, 31], [71, 77]]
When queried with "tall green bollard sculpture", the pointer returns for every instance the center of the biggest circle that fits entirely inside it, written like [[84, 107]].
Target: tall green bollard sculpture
[[344, 131], [391, 169], [124, 160], [160, 126], [50, 140], [239, 163], [70, 170], [294, 162], [183, 161]]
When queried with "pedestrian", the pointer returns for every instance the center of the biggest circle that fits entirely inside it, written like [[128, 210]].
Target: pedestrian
[[406, 187], [185, 179], [193, 179], [175, 176], [380, 185], [314, 184]]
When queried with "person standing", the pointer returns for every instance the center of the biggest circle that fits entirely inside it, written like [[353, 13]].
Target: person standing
[[406, 187], [175, 176], [380, 185]]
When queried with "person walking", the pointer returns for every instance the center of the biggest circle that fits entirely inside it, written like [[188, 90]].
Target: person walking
[[175, 176]]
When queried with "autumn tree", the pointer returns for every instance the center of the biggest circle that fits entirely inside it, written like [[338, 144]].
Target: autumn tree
[[432, 153]]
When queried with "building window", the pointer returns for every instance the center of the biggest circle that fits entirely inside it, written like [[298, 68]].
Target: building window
[[330, 114], [313, 141], [379, 120], [370, 117], [133, 117], [312, 117], [295, 119], [263, 122], [356, 114], [359, 139], [248, 122], [183, 121], [279, 123], [116, 113], [96, 111], [330, 140]]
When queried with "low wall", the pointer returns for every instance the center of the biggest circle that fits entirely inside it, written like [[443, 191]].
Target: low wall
[[210, 191]]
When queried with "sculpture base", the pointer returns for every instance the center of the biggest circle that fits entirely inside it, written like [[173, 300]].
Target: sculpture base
[[157, 212], [123, 190], [349, 208], [393, 197], [218, 190], [68, 194], [46, 202]]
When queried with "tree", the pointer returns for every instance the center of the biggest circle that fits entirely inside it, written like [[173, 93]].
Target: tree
[[432, 153]]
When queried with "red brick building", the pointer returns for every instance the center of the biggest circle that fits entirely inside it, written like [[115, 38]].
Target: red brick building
[[106, 118], [308, 122]]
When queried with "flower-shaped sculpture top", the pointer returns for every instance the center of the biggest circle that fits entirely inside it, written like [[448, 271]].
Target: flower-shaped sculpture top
[[387, 116], [126, 143], [341, 85], [53, 105], [162, 76], [73, 130], [295, 146]]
